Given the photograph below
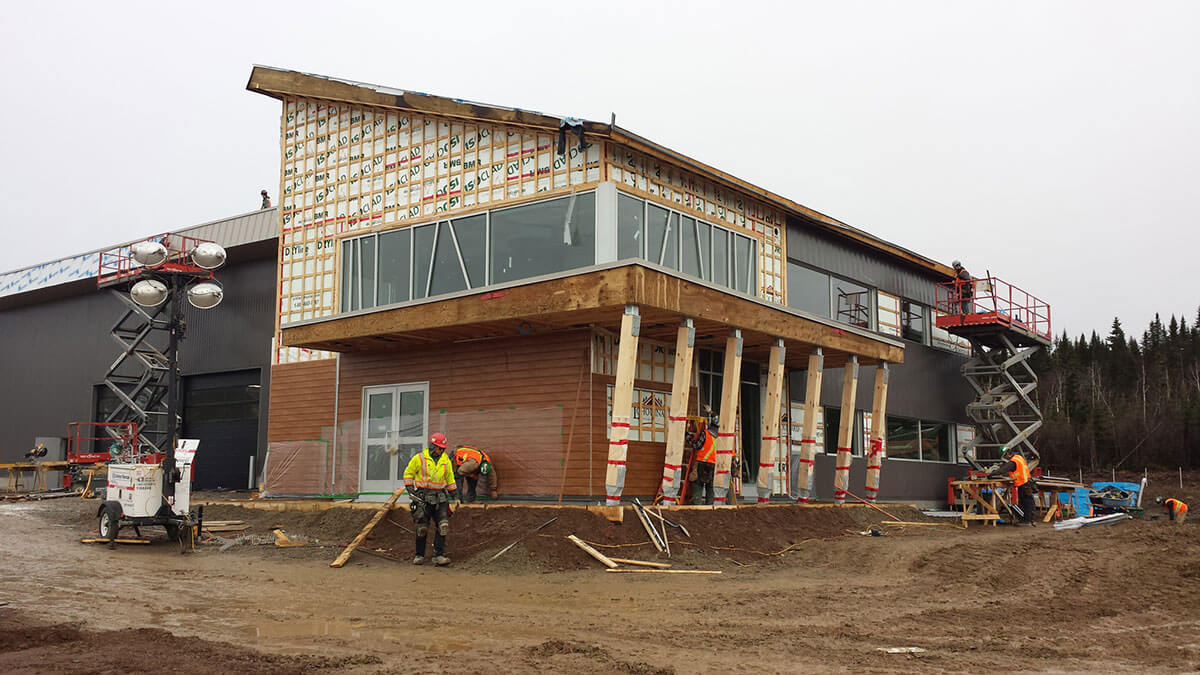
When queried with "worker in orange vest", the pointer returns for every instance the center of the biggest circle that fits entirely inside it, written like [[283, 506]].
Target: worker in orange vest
[[471, 464], [1017, 470], [704, 445], [1176, 510]]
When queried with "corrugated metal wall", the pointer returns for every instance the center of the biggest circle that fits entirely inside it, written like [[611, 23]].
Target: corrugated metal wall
[[54, 353], [826, 251]]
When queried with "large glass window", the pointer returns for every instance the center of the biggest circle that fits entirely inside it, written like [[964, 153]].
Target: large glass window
[[395, 252], [424, 238], [720, 256], [448, 273], [744, 264], [903, 438], [630, 230], [471, 235], [808, 290], [851, 303], [542, 238], [918, 439], [912, 321]]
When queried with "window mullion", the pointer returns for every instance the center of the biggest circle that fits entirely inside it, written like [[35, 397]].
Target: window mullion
[[462, 265], [432, 258]]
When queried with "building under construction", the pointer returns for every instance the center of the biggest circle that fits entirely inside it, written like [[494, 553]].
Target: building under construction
[[565, 294]]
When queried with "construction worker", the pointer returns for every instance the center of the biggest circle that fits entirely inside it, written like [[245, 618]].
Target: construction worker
[[471, 463], [1017, 469], [964, 288], [266, 199], [704, 447], [1176, 510], [429, 480]]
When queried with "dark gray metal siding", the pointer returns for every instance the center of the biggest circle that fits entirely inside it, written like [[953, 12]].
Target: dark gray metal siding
[[828, 252], [54, 353]]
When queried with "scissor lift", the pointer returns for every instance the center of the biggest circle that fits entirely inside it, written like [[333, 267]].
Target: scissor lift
[[1006, 326]]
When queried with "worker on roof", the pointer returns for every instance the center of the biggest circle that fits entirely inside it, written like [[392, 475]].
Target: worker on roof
[[964, 289], [1017, 469], [470, 464], [429, 480], [266, 199], [1176, 510], [704, 464]]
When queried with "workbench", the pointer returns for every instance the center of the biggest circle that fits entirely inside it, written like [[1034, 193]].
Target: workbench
[[983, 498], [38, 469], [978, 504]]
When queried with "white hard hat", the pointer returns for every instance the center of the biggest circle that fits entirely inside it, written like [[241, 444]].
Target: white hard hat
[[956, 263]]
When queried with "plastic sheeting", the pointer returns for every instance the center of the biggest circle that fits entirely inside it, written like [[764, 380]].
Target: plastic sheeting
[[526, 446]]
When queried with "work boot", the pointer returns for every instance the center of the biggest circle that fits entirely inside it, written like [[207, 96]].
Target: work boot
[[419, 560], [441, 560]]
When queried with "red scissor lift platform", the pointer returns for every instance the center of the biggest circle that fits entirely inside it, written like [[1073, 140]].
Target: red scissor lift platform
[[1006, 326]]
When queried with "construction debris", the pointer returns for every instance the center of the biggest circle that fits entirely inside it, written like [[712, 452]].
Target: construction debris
[[625, 571], [1077, 523], [379, 515], [642, 563], [98, 540], [283, 541], [539, 527], [607, 562]]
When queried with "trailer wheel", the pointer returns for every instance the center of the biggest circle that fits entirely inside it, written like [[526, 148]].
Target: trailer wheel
[[110, 521], [172, 531]]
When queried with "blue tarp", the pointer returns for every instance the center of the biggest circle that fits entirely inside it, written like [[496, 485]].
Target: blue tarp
[[1083, 505]]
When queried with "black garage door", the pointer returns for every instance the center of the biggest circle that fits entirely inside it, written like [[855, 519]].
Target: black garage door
[[221, 410]]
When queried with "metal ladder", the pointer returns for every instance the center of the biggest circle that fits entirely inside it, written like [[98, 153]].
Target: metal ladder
[[139, 376], [1004, 412]]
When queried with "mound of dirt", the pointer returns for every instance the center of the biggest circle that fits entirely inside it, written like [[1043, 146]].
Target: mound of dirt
[[714, 539], [28, 646]]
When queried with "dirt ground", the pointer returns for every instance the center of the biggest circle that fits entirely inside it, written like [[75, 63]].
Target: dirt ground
[[1118, 598]]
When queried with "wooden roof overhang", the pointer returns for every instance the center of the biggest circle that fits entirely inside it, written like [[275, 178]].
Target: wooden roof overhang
[[279, 83], [596, 297]]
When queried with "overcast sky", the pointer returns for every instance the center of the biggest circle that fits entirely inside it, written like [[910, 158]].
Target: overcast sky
[[1056, 144]]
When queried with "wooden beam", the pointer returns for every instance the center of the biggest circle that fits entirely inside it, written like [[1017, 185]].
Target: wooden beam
[[625, 571], [770, 434], [808, 436], [642, 563], [727, 429], [606, 561], [681, 385], [345, 554], [845, 448], [589, 297], [876, 452], [622, 405]]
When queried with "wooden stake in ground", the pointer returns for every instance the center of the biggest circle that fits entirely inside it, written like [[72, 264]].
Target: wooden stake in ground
[[872, 505], [606, 561], [345, 554]]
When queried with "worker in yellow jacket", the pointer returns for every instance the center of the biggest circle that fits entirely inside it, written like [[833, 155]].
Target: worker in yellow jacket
[[429, 479]]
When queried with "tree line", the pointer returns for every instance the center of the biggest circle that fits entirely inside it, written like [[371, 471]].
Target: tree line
[[1122, 402]]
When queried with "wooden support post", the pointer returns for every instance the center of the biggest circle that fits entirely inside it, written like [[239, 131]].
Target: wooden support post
[[622, 405], [841, 474], [808, 438], [875, 453], [727, 429], [685, 341], [770, 438]]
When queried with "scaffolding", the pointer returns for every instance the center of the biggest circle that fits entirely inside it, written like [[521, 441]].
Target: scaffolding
[[1006, 327]]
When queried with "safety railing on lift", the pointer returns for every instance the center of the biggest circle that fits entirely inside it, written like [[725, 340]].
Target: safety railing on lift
[[118, 264], [991, 300]]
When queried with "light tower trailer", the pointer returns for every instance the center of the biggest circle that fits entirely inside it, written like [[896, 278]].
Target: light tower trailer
[[135, 498]]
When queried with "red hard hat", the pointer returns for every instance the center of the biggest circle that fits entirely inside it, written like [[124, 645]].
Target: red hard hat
[[438, 439]]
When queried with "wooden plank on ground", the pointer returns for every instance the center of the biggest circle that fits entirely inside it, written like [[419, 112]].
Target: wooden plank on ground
[[97, 540], [625, 571], [345, 554], [642, 563], [606, 561]]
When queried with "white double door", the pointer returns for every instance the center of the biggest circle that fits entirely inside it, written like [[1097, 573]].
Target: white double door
[[395, 427]]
